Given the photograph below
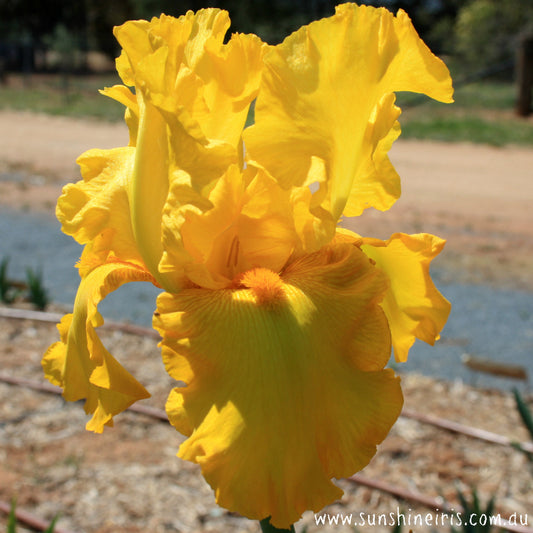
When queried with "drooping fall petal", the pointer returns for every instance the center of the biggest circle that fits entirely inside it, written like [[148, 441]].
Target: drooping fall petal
[[80, 363], [96, 209], [285, 387], [413, 305], [326, 102], [99, 203]]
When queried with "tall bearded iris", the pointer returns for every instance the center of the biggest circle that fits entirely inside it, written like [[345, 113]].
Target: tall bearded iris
[[278, 323]]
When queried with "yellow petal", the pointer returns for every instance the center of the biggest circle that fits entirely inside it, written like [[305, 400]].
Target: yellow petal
[[149, 189], [183, 67], [80, 363], [413, 305], [122, 94], [285, 387], [247, 223], [96, 209], [314, 225], [326, 93], [158, 173], [192, 98], [232, 77]]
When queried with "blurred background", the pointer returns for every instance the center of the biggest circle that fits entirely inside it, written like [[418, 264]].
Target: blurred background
[[54, 54]]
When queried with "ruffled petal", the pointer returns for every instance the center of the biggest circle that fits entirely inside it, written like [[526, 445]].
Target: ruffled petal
[[232, 77], [183, 67], [96, 209], [285, 386], [190, 119], [246, 223], [313, 224], [413, 305], [326, 102], [80, 363], [192, 98]]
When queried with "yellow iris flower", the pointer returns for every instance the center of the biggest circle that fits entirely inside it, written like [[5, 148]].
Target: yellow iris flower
[[279, 324]]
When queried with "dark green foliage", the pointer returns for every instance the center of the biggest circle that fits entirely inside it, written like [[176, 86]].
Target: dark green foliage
[[397, 528], [50, 528], [525, 413], [7, 292], [32, 290], [36, 290], [527, 419], [272, 20], [38, 17], [487, 33], [473, 508]]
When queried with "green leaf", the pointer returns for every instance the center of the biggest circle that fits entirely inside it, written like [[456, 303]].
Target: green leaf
[[523, 410], [267, 527], [38, 294], [6, 292], [12, 519], [50, 528]]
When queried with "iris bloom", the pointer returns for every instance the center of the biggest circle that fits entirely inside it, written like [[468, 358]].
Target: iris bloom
[[277, 323]]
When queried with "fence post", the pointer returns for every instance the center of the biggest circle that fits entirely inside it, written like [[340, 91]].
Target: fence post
[[524, 76]]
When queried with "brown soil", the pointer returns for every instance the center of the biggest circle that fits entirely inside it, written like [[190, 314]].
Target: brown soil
[[129, 480]]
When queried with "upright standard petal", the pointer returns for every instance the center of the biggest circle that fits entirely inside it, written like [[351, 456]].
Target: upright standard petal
[[184, 68], [80, 363], [414, 307], [285, 386], [165, 154], [232, 75], [326, 102]]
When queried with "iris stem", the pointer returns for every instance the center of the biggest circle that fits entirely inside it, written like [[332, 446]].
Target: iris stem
[[267, 527]]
